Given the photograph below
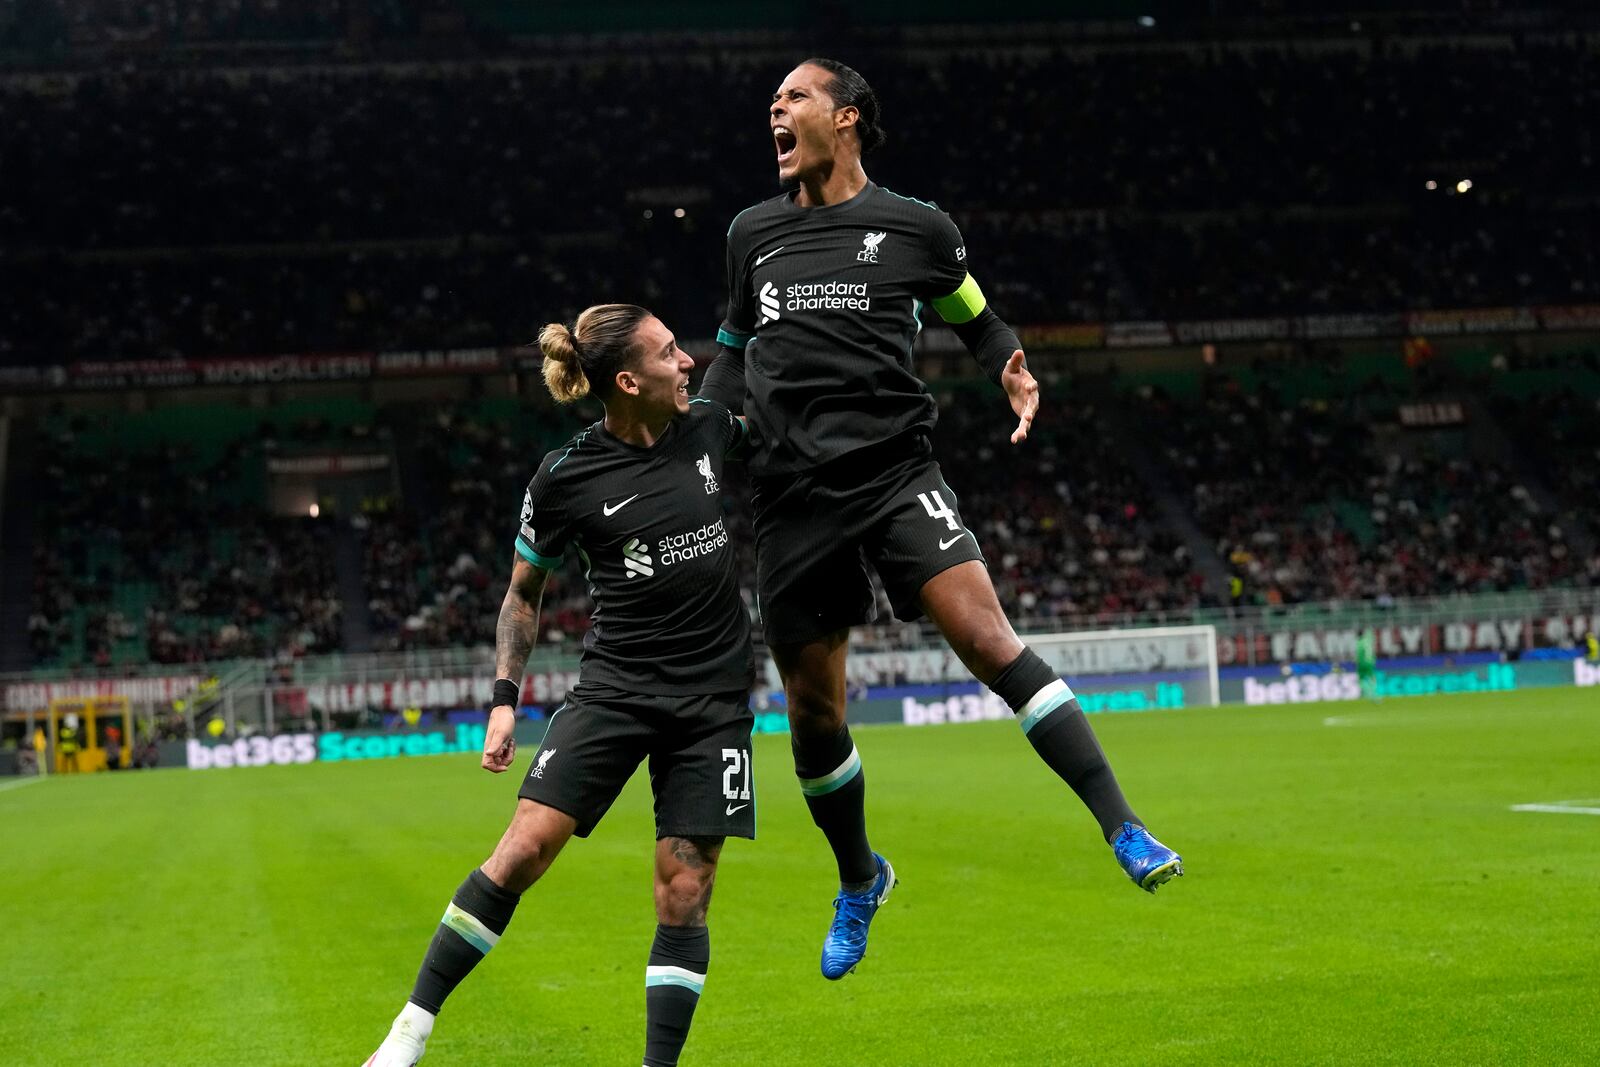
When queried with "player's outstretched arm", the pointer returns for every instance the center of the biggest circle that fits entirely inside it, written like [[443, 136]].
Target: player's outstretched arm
[[996, 348], [514, 636], [966, 310]]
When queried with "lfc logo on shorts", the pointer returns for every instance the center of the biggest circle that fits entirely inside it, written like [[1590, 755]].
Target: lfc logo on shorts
[[538, 768], [704, 466]]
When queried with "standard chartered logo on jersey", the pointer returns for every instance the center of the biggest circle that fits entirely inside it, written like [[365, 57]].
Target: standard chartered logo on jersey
[[827, 296], [674, 548], [636, 559], [813, 296]]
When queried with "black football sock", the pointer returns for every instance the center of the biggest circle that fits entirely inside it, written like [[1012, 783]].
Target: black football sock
[[672, 984], [1058, 730], [835, 787], [473, 922]]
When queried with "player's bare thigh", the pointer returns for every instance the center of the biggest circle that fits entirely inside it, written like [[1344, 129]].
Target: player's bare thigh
[[961, 602], [530, 844], [814, 682]]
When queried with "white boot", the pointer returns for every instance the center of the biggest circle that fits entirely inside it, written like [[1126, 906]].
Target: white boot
[[407, 1038]]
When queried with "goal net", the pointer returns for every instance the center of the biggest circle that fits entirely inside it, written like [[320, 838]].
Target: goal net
[[1109, 670], [1129, 670]]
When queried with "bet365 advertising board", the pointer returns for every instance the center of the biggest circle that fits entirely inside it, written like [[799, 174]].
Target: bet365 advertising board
[[930, 706]]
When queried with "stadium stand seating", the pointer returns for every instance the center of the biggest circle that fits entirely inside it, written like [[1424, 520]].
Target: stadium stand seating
[[151, 210], [436, 568], [1070, 531], [1550, 407], [466, 203], [1321, 496], [1296, 476], [151, 543]]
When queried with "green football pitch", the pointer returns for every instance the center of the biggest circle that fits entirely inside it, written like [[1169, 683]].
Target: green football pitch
[[1359, 890]]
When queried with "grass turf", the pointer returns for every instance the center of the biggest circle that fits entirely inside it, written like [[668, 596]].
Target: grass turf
[[1357, 891]]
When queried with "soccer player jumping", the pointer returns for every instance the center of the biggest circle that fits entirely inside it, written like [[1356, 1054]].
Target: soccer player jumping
[[667, 676], [826, 285]]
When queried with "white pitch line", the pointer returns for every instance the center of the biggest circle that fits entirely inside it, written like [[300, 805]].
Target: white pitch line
[[19, 783], [1561, 807]]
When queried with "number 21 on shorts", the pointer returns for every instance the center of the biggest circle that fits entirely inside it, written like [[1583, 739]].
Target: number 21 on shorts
[[738, 763], [938, 509]]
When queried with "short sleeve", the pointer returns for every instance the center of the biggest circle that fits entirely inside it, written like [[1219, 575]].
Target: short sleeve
[[740, 324], [543, 527]]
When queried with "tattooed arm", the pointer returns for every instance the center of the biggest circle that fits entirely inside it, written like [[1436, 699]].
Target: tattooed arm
[[514, 635], [519, 619]]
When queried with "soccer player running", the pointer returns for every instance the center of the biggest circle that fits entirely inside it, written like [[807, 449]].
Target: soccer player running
[[665, 674], [826, 284]]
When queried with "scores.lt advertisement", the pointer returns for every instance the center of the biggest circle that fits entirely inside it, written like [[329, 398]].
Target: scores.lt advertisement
[[342, 745], [935, 705]]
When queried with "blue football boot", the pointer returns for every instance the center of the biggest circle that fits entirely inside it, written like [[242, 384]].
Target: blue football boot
[[852, 914], [1147, 861]]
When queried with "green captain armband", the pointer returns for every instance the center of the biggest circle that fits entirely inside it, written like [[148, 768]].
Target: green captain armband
[[963, 305]]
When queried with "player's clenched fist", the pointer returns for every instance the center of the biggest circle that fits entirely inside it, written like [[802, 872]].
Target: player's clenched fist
[[499, 747]]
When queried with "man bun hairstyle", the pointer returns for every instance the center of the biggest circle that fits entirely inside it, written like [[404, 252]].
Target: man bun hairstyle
[[589, 356], [849, 89]]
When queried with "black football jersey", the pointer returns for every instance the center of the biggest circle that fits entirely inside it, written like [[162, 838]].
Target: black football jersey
[[647, 525], [826, 303]]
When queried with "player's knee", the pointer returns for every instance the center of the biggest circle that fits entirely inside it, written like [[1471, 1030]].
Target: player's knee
[[686, 869], [813, 711], [996, 648], [517, 863], [683, 897], [986, 645], [521, 857]]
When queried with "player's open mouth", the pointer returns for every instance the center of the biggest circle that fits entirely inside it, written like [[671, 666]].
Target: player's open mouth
[[785, 140]]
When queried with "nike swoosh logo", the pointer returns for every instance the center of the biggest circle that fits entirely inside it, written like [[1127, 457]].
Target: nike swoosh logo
[[762, 259], [946, 544], [732, 808], [612, 509]]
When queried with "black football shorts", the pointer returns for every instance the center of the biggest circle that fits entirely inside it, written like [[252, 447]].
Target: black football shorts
[[698, 747], [886, 505]]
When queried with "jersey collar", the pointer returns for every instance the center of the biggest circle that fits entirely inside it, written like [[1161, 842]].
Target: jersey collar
[[829, 209]]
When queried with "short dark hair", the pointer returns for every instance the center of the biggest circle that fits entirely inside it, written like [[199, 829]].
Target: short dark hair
[[849, 89]]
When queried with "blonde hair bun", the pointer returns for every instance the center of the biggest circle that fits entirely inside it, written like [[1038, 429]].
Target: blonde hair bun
[[563, 370]]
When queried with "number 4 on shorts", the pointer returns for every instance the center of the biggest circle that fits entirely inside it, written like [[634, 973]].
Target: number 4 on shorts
[[942, 511]]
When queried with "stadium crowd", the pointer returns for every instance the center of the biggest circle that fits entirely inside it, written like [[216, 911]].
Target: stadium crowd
[[258, 210], [157, 212], [1558, 429], [49, 25], [1070, 531], [157, 554], [1306, 502], [436, 568]]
